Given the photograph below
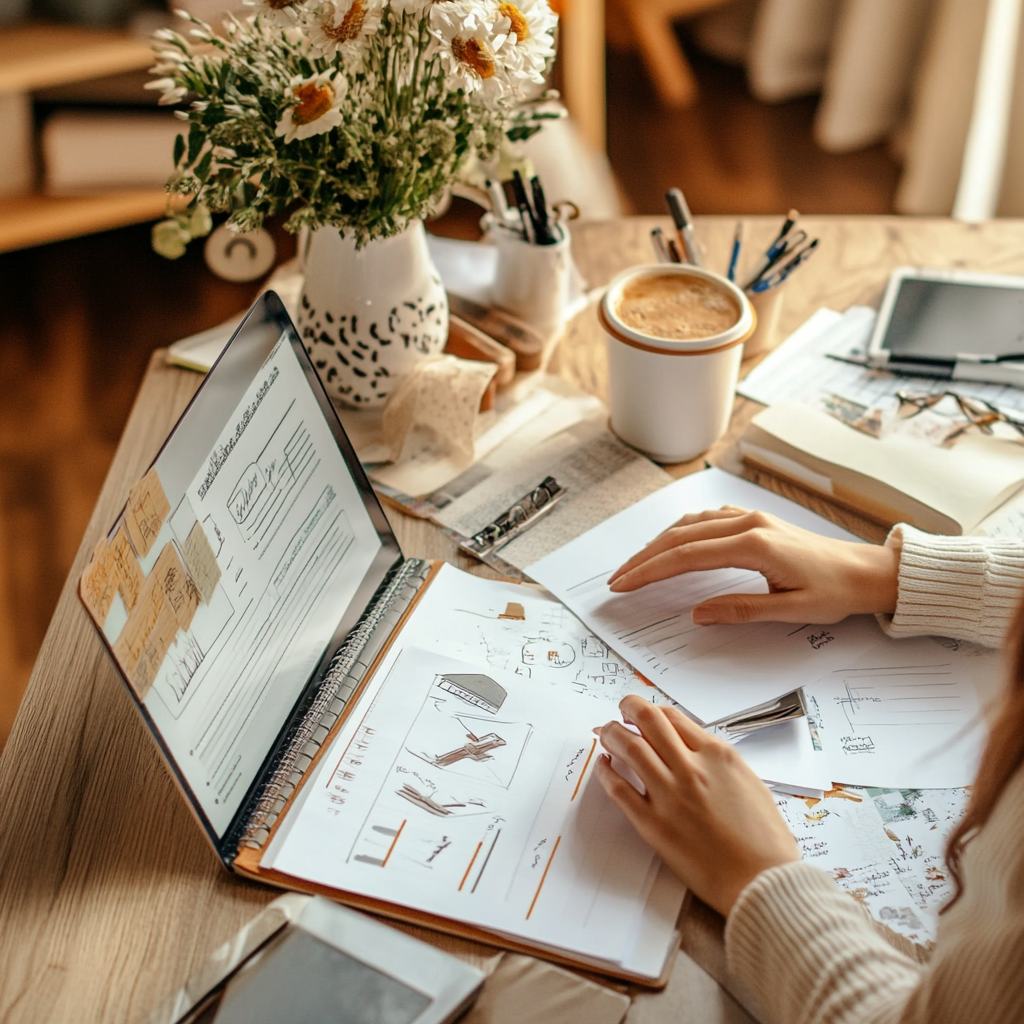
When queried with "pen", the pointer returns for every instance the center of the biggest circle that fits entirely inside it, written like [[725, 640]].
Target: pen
[[523, 205], [778, 252], [498, 205], [658, 244], [684, 226], [673, 252], [734, 258], [773, 250], [896, 369], [765, 284], [540, 208]]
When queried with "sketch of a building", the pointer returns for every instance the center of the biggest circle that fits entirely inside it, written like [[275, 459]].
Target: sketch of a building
[[476, 749], [479, 690]]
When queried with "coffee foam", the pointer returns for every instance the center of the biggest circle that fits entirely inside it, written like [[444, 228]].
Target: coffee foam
[[680, 307]]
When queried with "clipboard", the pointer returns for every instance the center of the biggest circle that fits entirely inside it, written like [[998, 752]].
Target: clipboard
[[248, 593]]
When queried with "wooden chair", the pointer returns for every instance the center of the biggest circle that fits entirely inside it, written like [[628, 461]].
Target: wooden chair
[[647, 26]]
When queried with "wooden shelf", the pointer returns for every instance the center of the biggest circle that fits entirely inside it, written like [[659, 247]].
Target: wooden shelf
[[34, 220], [36, 56]]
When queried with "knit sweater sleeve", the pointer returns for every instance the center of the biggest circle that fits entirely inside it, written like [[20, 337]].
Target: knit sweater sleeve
[[810, 954], [962, 587]]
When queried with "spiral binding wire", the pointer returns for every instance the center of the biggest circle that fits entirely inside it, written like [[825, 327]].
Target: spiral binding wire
[[339, 669]]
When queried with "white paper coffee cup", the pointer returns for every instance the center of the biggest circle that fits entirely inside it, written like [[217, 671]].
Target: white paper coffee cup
[[671, 398]]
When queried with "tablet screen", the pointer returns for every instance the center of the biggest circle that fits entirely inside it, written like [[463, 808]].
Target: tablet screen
[[943, 319], [302, 980]]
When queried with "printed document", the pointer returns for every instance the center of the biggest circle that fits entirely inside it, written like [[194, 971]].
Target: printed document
[[712, 671], [470, 794]]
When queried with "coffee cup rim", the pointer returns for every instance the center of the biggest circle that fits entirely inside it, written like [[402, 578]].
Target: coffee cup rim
[[733, 335]]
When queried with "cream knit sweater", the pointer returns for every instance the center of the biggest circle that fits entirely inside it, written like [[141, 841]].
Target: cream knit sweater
[[809, 952]]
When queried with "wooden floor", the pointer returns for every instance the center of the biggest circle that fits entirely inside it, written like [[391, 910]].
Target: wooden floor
[[79, 319]]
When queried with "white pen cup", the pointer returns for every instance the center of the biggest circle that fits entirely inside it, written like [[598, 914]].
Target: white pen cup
[[671, 398], [532, 281]]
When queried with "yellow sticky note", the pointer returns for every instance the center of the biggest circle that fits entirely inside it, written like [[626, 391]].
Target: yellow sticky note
[[201, 562], [98, 584]]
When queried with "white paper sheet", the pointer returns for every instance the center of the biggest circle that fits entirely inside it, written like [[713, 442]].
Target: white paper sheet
[[886, 847], [712, 671], [486, 814], [905, 715]]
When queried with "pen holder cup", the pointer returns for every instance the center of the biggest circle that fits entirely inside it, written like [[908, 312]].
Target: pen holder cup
[[672, 398], [768, 306], [532, 281]]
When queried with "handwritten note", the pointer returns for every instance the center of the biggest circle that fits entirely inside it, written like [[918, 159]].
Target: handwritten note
[[903, 714], [145, 512], [129, 573], [201, 562], [179, 589], [98, 584]]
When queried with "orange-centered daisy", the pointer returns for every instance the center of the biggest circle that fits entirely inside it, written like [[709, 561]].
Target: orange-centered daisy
[[515, 16], [351, 25], [474, 54], [314, 101]]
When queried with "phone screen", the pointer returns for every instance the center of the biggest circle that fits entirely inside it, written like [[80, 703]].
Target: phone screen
[[943, 319]]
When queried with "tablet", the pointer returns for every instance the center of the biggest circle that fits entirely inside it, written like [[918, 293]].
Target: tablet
[[945, 317]]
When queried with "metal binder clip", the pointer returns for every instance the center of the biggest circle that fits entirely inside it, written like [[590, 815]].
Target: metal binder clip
[[521, 516]]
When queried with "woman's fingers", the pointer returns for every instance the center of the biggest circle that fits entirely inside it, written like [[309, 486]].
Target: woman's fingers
[[658, 730], [689, 731], [699, 526], [636, 752], [786, 606], [622, 793], [742, 549]]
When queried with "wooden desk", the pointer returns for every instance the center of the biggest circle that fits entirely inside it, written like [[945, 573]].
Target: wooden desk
[[109, 895]]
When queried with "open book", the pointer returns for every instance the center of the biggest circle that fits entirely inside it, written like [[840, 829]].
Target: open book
[[393, 733]]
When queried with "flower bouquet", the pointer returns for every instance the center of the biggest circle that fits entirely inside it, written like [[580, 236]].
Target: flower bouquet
[[355, 114], [355, 117]]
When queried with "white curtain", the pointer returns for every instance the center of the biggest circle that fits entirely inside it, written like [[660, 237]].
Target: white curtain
[[898, 70]]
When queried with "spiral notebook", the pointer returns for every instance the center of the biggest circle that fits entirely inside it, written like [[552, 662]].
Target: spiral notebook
[[390, 732]]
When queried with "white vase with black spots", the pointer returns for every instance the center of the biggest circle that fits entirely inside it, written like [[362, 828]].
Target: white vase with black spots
[[367, 316]]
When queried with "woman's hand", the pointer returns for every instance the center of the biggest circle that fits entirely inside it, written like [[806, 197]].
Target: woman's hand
[[708, 817], [810, 578]]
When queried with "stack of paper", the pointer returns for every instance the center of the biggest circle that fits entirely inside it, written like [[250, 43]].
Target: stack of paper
[[882, 709]]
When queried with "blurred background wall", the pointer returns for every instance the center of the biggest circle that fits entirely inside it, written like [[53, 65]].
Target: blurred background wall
[[750, 106]]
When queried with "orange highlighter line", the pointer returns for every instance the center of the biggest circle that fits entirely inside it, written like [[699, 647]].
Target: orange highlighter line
[[471, 863], [586, 765], [547, 867], [387, 857]]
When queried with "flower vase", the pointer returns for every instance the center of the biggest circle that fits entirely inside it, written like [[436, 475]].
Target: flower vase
[[367, 316]]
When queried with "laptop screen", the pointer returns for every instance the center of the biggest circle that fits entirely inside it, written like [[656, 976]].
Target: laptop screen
[[252, 546]]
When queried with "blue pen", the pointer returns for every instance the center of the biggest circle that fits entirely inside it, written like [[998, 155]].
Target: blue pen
[[735, 257], [774, 280]]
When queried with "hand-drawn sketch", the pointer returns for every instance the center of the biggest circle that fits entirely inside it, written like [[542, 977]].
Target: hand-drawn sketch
[[553, 653], [481, 749], [433, 805], [478, 690]]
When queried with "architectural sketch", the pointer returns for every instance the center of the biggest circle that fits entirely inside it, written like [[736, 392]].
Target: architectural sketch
[[442, 810], [479, 690], [477, 748], [552, 653]]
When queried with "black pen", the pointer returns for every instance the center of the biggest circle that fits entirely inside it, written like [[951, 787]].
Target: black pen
[[525, 211], [545, 236], [933, 372]]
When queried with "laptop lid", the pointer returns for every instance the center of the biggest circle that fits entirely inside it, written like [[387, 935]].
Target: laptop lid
[[242, 561]]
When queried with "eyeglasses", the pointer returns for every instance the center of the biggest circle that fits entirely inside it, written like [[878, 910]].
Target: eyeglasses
[[976, 411]]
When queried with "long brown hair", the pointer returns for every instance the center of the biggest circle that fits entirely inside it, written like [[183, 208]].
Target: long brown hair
[[1003, 755]]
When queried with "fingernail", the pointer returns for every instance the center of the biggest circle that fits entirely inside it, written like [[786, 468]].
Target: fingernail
[[704, 617]]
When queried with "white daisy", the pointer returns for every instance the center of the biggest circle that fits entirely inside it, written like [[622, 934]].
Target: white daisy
[[314, 106], [282, 13], [531, 26], [170, 90], [344, 26], [474, 51]]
